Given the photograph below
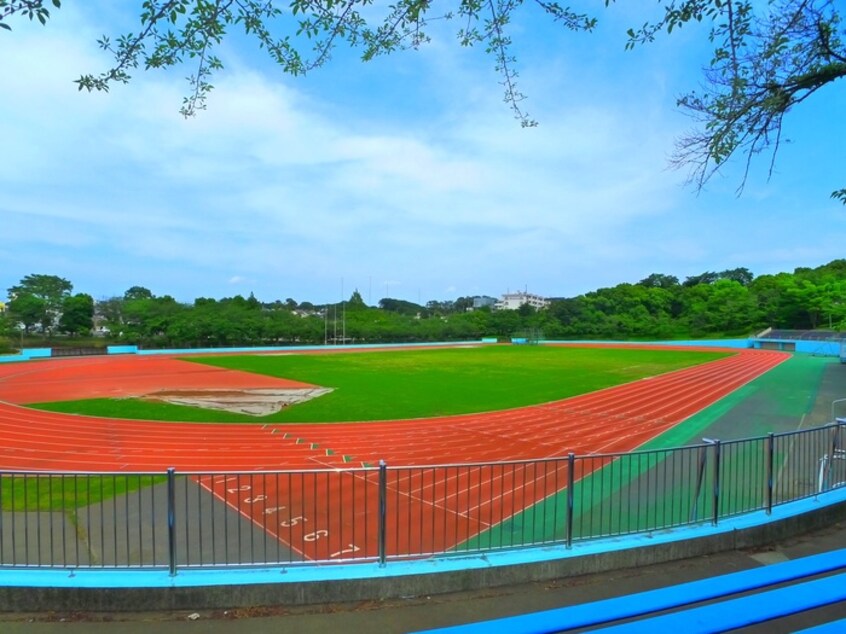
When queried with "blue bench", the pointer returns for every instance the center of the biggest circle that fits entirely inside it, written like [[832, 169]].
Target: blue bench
[[742, 612], [683, 595]]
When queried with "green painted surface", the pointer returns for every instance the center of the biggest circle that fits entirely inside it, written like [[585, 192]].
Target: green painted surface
[[665, 493]]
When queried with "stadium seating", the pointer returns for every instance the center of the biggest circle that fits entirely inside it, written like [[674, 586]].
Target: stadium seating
[[806, 590]]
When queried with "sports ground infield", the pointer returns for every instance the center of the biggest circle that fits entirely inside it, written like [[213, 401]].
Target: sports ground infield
[[617, 418]]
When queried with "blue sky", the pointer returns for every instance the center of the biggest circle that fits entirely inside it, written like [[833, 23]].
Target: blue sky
[[406, 176]]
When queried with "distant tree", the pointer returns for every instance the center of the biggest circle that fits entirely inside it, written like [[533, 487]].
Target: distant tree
[[6, 327], [659, 280], [740, 275], [525, 310], [463, 304], [811, 297], [435, 307], [505, 323], [50, 289], [29, 310], [401, 306], [77, 315], [138, 292], [252, 302], [708, 277], [355, 302]]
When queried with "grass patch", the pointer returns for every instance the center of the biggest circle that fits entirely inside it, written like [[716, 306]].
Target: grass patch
[[419, 383], [29, 492]]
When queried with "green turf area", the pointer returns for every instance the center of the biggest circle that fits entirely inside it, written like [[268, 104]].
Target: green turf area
[[389, 385], [59, 492]]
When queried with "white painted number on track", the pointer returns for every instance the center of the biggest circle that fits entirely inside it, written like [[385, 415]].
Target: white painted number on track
[[257, 498], [293, 521], [346, 551], [313, 537]]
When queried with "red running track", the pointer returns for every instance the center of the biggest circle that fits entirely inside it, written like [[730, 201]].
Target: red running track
[[329, 514]]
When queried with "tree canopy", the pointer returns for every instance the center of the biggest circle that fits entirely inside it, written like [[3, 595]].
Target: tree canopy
[[768, 57], [38, 300], [728, 303]]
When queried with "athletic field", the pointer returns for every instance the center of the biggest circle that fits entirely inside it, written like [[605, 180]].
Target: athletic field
[[516, 408]]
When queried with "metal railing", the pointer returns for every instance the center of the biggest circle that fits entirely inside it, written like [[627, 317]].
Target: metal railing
[[177, 520]]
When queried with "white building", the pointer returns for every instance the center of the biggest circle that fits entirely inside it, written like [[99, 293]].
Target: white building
[[513, 301]]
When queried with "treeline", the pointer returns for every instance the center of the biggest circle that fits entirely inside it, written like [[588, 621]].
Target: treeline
[[713, 304]]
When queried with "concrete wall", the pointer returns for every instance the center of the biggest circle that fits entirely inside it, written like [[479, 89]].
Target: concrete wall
[[819, 348], [27, 354]]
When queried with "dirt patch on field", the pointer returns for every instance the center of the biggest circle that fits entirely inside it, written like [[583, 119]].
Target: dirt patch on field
[[258, 402]]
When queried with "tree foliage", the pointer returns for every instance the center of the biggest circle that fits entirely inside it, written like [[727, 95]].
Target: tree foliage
[[77, 314], [769, 57], [38, 299], [728, 303], [299, 36], [32, 9], [28, 310]]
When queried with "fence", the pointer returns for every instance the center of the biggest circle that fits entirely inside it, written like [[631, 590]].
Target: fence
[[177, 520]]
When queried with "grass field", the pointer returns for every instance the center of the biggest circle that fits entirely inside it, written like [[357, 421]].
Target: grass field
[[65, 493], [389, 385]]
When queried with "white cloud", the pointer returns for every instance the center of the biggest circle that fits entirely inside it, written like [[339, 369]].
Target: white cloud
[[293, 191]]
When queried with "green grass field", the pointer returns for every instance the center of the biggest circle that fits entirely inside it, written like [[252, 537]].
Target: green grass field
[[64, 493], [389, 385]]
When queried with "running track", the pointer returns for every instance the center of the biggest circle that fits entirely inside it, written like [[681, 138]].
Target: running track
[[328, 514]]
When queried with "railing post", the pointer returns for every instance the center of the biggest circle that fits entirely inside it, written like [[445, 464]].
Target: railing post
[[700, 476], [835, 433], [770, 449], [716, 492], [171, 520], [571, 479], [383, 511]]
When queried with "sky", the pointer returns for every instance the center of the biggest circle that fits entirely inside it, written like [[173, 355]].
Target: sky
[[404, 177]]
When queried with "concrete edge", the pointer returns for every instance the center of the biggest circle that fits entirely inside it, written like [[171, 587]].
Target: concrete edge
[[152, 590]]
